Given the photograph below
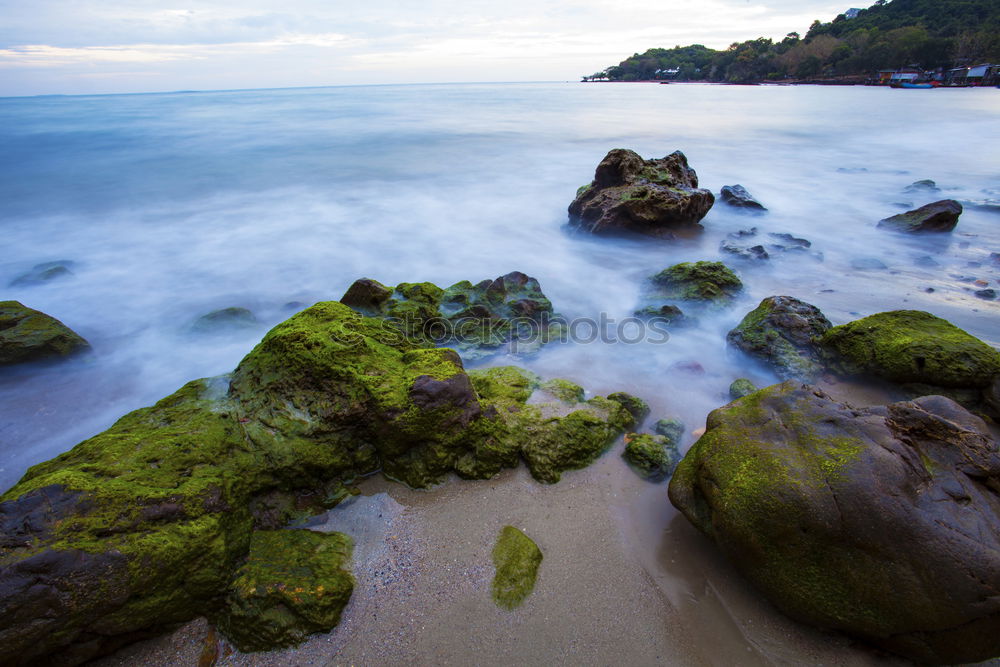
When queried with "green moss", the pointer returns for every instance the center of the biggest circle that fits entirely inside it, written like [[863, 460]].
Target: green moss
[[30, 335], [564, 390], [504, 384], [635, 406], [910, 346], [740, 388], [672, 429], [583, 189], [654, 456], [782, 331], [697, 281], [293, 583], [516, 558]]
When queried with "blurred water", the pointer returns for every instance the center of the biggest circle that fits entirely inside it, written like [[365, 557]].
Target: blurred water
[[172, 205]]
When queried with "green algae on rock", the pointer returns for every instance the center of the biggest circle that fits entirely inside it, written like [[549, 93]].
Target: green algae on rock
[[143, 526], [508, 313], [30, 335], [671, 428], [516, 558], [293, 583], [638, 408], [564, 390], [741, 387], [783, 331], [652, 197], [912, 346], [881, 522], [653, 456], [696, 281]]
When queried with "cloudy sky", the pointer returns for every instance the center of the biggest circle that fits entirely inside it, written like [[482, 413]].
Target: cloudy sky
[[84, 46]]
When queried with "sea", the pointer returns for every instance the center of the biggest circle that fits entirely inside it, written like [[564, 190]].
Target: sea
[[168, 206]]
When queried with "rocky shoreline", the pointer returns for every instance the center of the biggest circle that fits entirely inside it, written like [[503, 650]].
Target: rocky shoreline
[[176, 512]]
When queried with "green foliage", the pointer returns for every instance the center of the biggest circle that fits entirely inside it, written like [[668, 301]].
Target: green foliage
[[926, 33]]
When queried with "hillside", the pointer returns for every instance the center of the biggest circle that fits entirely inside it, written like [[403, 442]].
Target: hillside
[[924, 33]]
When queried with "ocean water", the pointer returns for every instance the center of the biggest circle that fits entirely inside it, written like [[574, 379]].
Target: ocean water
[[173, 205]]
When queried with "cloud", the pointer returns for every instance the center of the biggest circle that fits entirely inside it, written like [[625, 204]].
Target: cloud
[[42, 55]]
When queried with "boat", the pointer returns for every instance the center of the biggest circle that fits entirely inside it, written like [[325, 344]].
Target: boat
[[907, 84]]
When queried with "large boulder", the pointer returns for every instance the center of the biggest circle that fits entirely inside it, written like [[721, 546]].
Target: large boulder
[[880, 522], [783, 332], [509, 313], [30, 335], [652, 197], [146, 525], [912, 347], [939, 216]]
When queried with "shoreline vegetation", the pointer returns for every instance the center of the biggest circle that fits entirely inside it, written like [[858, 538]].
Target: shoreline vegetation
[[947, 41]]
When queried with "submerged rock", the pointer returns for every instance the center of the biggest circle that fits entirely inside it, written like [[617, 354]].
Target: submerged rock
[[652, 197], [923, 185], [696, 281], [738, 197], [31, 335], [868, 264], [293, 583], [669, 314], [509, 313], [44, 273], [783, 331], [755, 252], [672, 429], [516, 558], [145, 525], [225, 320], [653, 456], [880, 522], [940, 216]]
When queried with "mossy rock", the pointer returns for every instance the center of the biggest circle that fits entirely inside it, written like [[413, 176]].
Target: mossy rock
[[783, 332], [509, 313], [225, 320], [741, 387], [294, 583], [653, 456], [31, 335], [638, 408], [880, 522], [44, 273], [516, 558], [911, 346], [672, 429], [564, 390], [696, 281], [651, 197], [143, 526]]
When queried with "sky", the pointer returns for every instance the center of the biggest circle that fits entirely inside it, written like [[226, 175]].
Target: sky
[[112, 46]]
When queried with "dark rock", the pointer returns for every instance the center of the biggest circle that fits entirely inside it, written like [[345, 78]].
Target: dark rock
[[757, 252], [868, 264], [880, 522], [926, 261], [940, 216], [789, 242], [507, 314], [738, 197], [743, 233], [783, 331], [671, 428], [30, 335], [652, 197], [225, 320], [925, 185], [43, 273], [670, 314], [989, 294]]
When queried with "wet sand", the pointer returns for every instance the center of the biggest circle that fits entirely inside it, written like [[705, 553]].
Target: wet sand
[[625, 579]]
